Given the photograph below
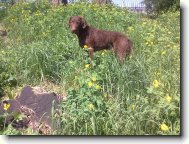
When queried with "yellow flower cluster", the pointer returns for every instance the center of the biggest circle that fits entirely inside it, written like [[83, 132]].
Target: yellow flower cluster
[[103, 52], [163, 52], [6, 106], [91, 107], [144, 23], [85, 47], [87, 66], [156, 83], [105, 95], [130, 28], [97, 87], [92, 83], [133, 107], [149, 43], [164, 127], [168, 98]]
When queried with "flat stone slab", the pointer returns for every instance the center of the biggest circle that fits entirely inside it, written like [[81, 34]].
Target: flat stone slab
[[36, 104]]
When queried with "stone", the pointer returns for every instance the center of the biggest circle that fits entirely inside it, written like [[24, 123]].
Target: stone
[[36, 105]]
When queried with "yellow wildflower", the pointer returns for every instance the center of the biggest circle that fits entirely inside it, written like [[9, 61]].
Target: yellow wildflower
[[87, 65], [93, 79], [105, 95], [164, 127], [98, 87], [144, 23], [6, 106], [90, 84], [91, 106], [71, 62], [85, 46], [168, 98], [157, 73], [130, 28], [156, 83], [130, 56], [163, 52], [133, 107]]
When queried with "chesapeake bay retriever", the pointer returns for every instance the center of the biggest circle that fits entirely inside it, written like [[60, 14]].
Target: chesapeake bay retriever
[[97, 39]]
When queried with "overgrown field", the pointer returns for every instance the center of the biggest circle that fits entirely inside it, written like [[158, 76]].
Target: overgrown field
[[139, 97]]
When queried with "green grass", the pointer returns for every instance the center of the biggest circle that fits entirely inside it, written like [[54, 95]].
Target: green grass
[[133, 98]]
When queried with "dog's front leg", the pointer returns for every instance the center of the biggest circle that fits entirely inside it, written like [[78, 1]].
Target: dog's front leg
[[91, 52]]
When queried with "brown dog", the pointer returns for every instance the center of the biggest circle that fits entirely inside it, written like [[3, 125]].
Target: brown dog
[[97, 39]]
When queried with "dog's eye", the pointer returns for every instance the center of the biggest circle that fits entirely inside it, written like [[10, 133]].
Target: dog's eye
[[72, 22]]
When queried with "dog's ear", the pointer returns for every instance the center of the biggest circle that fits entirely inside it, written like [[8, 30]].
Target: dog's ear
[[83, 22], [69, 21]]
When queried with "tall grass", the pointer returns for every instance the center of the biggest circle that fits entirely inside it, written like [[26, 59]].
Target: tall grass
[[108, 98]]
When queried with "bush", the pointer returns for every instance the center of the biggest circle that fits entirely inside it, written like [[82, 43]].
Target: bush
[[159, 6]]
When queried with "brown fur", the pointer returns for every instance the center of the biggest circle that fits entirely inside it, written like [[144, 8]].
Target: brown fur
[[97, 39]]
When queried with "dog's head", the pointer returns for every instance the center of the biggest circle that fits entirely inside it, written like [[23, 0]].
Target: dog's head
[[77, 23]]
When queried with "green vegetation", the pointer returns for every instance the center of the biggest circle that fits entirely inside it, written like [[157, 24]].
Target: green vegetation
[[139, 97], [159, 6]]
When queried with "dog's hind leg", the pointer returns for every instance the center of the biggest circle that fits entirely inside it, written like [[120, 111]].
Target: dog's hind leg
[[122, 48], [91, 52]]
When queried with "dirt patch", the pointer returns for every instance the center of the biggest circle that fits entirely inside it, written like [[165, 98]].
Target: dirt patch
[[3, 35]]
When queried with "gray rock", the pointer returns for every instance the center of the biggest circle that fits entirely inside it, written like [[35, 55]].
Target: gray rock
[[36, 104]]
